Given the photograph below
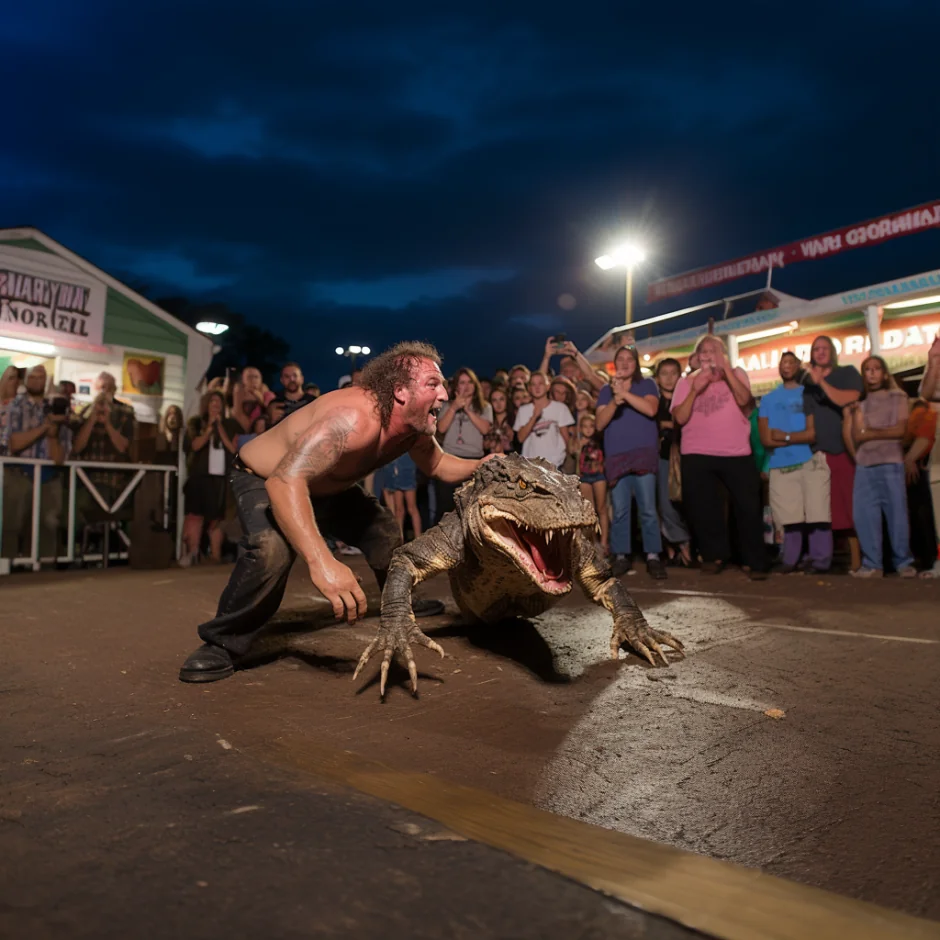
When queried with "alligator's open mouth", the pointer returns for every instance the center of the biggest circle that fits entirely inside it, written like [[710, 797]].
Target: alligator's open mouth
[[544, 554]]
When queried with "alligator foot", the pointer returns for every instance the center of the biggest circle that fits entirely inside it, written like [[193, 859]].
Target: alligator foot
[[397, 638], [640, 636]]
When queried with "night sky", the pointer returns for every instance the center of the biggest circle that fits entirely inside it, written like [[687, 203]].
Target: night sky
[[368, 172]]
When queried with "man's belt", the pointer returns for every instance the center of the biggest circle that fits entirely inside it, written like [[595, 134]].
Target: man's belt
[[239, 464]]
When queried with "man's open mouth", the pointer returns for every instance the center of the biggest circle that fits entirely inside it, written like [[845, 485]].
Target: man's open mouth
[[544, 554]]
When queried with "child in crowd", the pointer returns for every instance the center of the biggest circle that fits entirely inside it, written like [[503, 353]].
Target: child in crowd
[[591, 473]]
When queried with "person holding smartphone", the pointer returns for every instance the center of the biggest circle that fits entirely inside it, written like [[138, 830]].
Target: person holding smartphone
[[36, 429]]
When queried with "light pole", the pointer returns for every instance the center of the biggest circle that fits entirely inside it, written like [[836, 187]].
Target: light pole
[[351, 352], [627, 256]]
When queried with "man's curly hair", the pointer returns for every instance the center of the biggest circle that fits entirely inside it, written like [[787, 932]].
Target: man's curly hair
[[392, 368]]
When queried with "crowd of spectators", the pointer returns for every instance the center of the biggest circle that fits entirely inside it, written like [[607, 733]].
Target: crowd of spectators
[[831, 457]]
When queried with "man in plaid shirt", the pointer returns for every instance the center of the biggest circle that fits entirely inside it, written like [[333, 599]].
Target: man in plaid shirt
[[105, 434], [32, 431]]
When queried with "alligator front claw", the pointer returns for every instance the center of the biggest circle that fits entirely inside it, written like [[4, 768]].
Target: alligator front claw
[[393, 638], [641, 637]]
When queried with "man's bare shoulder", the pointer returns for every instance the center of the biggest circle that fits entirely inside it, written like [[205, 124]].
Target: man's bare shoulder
[[351, 409]]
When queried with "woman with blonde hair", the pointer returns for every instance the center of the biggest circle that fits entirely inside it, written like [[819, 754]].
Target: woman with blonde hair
[[712, 406]]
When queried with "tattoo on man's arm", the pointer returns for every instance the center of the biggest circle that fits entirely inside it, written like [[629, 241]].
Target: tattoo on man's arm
[[315, 451]]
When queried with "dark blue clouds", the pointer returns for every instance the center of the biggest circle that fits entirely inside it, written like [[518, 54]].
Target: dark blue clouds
[[353, 169]]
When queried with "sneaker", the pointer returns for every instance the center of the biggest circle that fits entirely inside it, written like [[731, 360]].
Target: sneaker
[[656, 569], [621, 565], [756, 574], [711, 567], [867, 573], [909, 572]]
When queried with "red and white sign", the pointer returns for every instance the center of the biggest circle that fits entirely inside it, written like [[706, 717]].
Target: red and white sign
[[872, 232]]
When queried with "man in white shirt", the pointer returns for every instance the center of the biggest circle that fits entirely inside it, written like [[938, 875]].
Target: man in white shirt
[[543, 426]]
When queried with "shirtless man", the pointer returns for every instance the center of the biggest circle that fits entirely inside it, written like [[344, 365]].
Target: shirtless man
[[302, 475]]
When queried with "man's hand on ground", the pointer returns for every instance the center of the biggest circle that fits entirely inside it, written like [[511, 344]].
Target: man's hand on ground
[[337, 583]]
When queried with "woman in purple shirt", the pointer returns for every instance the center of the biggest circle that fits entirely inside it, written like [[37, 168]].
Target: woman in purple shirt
[[626, 413]]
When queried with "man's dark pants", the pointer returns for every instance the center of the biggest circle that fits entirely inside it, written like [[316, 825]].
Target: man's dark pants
[[256, 587]]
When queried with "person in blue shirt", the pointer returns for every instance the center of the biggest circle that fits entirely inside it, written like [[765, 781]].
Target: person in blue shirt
[[799, 475]]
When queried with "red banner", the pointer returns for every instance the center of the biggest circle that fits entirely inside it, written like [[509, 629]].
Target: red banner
[[872, 232]]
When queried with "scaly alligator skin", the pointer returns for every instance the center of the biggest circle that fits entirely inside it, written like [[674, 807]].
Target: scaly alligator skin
[[520, 536]]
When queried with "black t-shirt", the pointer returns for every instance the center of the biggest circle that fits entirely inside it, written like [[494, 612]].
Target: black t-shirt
[[290, 406], [828, 415], [667, 436]]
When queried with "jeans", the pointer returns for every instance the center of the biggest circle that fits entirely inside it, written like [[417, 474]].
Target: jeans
[[705, 481], [643, 487], [881, 489], [674, 528], [256, 587]]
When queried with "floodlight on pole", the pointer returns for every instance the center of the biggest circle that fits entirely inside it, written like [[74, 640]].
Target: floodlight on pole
[[211, 328], [626, 256], [351, 352]]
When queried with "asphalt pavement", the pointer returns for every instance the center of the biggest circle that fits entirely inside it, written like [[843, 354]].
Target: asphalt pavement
[[799, 737]]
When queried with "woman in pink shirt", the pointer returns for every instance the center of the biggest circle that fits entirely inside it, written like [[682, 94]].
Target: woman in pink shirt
[[711, 405]]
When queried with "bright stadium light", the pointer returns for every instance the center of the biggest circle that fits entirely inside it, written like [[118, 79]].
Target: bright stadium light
[[628, 256], [340, 350]]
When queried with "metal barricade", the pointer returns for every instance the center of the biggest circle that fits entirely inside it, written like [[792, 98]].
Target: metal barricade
[[77, 471]]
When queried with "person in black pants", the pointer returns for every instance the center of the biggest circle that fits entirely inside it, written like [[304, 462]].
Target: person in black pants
[[712, 405]]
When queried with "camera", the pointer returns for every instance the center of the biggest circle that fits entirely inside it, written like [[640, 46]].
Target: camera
[[559, 341], [58, 406]]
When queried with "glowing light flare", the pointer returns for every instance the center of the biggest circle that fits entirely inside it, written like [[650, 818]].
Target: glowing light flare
[[627, 255], [211, 328]]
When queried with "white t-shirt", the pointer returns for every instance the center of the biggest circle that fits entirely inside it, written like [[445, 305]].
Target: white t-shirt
[[545, 439]]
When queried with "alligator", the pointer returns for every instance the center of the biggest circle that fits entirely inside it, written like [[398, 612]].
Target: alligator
[[520, 536]]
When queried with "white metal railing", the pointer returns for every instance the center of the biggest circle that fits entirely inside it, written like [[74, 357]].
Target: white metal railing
[[77, 473]]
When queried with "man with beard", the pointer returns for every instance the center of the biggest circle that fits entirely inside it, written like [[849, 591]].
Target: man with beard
[[293, 396], [302, 476]]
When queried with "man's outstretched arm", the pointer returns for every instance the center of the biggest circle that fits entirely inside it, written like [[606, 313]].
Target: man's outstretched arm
[[312, 456], [433, 462]]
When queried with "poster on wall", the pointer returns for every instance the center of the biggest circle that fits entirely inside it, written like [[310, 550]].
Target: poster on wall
[[142, 374], [45, 298]]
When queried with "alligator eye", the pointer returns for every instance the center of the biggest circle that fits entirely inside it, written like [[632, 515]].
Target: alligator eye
[[522, 484]]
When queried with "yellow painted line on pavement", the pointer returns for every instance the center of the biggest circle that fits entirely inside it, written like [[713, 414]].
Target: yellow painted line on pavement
[[715, 897]]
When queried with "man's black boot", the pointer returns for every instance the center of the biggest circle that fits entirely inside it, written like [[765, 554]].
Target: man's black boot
[[207, 664]]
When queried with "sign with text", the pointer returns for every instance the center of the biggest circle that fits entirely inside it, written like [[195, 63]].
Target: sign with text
[[904, 345], [872, 232], [44, 298]]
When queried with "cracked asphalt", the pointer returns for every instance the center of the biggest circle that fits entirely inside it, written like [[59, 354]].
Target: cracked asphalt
[[838, 791]]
